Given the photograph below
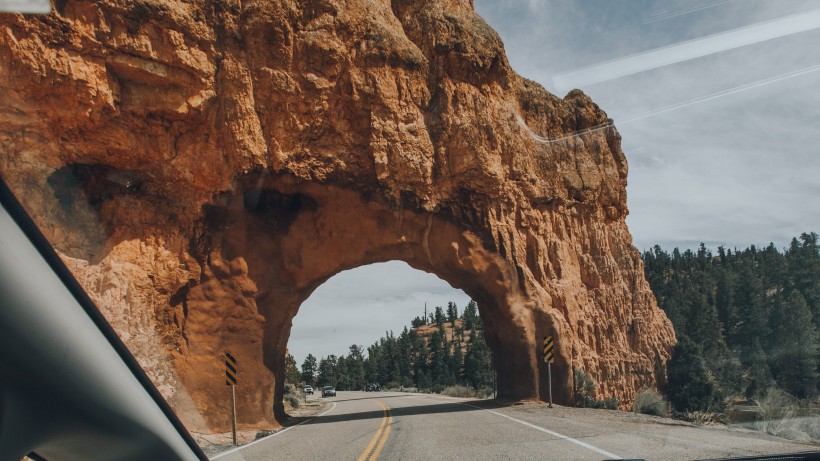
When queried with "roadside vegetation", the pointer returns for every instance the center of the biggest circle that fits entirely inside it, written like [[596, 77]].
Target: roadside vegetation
[[467, 392], [584, 387], [747, 323], [291, 398], [650, 402], [784, 416]]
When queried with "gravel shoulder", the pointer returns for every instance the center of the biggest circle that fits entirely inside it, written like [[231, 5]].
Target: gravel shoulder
[[213, 444]]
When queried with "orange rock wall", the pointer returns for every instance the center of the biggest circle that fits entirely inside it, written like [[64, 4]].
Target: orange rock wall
[[203, 166]]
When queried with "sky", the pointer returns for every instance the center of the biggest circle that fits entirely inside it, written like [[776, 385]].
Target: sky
[[722, 145], [717, 105], [359, 306]]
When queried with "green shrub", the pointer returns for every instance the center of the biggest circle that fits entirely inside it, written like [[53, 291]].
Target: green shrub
[[458, 391], [290, 396], [466, 392], [650, 402], [611, 403], [584, 387], [689, 386]]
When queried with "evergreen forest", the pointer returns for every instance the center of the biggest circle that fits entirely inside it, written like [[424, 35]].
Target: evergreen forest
[[443, 348], [747, 321]]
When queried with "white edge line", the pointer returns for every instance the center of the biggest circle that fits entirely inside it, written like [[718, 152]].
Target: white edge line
[[234, 450], [553, 433]]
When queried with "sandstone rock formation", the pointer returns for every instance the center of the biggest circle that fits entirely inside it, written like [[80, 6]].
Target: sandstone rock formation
[[203, 166]]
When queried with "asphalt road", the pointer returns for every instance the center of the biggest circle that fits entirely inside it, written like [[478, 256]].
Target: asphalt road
[[395, 426]]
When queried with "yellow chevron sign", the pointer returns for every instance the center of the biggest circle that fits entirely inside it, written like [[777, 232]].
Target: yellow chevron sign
[[548, 355], [230, 369]]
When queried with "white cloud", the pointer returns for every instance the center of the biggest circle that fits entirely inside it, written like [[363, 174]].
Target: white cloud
[[688, 50], [721, 145]]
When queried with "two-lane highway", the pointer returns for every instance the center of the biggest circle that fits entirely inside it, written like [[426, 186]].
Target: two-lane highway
[[368, 426]]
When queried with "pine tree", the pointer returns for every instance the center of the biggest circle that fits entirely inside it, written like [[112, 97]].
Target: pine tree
[[439, 316], [452, 313], [688, 385], [794, 362], [470, 316], [438, 361], [420, 357], [309, 369], [758, 375], [803, 266], [292, 374], [355, 368], [404, 359], [372, 362], [327, 371], [456, 362], [478, 363], [744, 309], [342, 377]]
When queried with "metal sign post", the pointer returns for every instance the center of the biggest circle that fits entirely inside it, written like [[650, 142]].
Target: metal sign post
[[549, 358], [230, 380]]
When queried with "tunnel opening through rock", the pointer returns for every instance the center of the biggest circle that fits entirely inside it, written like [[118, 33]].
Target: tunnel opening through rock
[[272, 245], [407, 315]]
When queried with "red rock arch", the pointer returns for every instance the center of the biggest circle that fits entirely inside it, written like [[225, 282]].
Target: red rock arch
[[293, 236], [406, 115]]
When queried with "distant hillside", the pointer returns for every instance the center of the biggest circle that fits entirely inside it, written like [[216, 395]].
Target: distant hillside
[[455, 334], [442, 349]]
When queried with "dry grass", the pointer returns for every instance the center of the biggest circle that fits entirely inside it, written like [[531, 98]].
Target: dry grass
[[466, 392], [785, 416], [706, 418], [291, 398], [651, 402]]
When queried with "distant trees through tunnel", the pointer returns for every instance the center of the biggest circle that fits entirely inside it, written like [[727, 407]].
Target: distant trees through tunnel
[[390, 325]]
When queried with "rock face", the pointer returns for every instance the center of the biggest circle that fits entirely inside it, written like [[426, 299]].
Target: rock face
[[203, 166]]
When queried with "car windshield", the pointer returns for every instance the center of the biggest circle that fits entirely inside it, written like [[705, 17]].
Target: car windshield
[[593, 223]]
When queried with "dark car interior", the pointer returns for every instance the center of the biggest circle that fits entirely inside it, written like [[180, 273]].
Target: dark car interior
[[69, 388]]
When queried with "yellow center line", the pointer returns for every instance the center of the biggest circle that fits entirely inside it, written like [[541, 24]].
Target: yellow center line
[[375, 446], [384, 437]]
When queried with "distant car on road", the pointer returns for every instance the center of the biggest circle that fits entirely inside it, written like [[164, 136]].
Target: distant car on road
[[328, 391], [308, 390], [372, 387]]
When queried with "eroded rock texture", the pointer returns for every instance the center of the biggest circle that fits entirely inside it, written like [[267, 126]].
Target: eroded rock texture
[[203, 166]]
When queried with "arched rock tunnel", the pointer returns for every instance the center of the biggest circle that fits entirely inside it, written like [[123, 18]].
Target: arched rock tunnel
[[275, 239], [288, 237]]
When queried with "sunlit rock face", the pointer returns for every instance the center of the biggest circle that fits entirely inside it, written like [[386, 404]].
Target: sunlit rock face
[[202, 167]]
